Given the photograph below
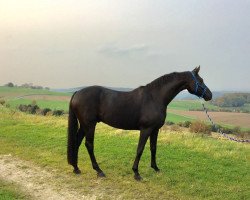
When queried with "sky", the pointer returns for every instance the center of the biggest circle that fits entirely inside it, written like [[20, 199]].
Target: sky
[[117, 43]]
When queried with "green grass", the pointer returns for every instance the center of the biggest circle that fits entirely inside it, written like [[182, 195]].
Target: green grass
[[9, 191], [52, 104], [192, 167], [18, 91], [189, 105], [10, 95], [171, 117]]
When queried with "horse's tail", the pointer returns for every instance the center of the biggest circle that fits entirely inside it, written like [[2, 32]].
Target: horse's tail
[[72, 136]]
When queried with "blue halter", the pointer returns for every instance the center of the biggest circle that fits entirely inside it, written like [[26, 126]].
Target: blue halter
[[197, 85]]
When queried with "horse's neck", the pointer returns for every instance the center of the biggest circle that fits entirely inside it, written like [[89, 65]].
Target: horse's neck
[[168, 90]]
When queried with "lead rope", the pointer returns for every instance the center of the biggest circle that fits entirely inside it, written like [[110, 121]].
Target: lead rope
[[218, 129]]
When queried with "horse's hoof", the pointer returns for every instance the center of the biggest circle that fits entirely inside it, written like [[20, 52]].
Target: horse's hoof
[[138, 177], [77, 171], [157, 170], [101, 175]]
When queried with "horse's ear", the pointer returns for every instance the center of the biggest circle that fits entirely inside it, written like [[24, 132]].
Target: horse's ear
[[196, 70]]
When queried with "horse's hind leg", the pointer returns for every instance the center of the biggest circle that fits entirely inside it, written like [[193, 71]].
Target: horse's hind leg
[[89, 143], [80, 136], [144, 134]]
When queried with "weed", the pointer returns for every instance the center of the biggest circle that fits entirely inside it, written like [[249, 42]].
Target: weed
[[200, 127]]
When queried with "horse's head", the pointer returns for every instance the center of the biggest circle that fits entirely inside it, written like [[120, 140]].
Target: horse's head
[[197, 87]]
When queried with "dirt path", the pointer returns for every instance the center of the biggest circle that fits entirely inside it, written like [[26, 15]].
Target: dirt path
[[35, 181]]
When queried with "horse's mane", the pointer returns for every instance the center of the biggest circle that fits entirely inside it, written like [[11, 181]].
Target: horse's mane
[[161, 80]]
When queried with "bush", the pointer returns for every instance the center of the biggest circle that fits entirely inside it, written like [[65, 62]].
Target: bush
[[2, 102], [185, 124], [236, 129], [32, 109], [244, 135], [58, 112], [169, 123], [9, 84], [226, 130], [23, 108], [45, 111], [200, 127]]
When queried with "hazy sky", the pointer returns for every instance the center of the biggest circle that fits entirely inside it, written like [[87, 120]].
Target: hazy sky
[[124, 43]]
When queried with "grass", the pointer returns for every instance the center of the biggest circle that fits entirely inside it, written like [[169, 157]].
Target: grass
[[196, 105], [193, 167], [18, 91], [189, 105], [9, 93], [10, 191], [171, 117], [52, 104]]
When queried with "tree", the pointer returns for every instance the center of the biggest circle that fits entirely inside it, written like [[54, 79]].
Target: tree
[[9, 84], [232, 100]]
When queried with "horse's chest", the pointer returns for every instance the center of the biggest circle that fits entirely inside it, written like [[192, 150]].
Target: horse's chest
[[153, 117]]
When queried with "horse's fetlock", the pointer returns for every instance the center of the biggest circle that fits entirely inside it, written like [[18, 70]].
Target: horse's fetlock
[[135, 169]]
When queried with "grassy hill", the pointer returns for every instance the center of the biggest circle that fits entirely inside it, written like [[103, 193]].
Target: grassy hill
[[10, 92], [192, 166], [189, 105]]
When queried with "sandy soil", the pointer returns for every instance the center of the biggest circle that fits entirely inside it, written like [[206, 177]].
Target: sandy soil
[[236, 119], [35, 181]]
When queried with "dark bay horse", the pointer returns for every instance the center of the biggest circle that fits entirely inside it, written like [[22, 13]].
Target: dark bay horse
[[142, 109]]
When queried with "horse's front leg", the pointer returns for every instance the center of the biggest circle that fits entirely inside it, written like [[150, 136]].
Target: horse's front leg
[[153, 147], [144, 134]]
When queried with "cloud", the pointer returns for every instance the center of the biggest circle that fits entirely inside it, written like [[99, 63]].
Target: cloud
[[115, 50]]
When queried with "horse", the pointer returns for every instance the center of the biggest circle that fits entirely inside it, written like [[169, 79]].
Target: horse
[[143, 109]]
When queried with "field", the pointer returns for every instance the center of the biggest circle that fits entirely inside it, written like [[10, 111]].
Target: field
[[192, 166], [10, 92], [181, 110], [189, 105], [236, 119]]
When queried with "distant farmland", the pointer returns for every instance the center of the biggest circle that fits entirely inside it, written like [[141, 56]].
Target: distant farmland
[[236, 119]]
